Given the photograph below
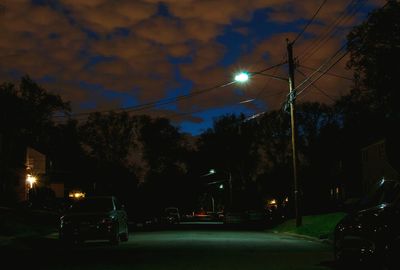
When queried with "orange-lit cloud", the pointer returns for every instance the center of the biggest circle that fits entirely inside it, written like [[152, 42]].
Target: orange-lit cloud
[[126, 47]]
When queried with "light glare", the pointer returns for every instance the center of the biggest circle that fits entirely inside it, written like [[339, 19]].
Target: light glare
[[31, 180], [242, 77]]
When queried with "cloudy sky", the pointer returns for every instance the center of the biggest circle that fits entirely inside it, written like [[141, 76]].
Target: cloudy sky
[[110, 54]]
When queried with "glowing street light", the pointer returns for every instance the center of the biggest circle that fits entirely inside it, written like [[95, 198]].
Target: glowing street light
[[30, 179], [242, 77], [213, 171]]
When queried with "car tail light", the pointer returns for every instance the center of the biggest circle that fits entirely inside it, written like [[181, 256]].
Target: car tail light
[[107, 220]]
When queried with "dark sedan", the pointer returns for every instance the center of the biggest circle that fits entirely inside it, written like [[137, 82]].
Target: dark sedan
[[370, 235], [94, 218]]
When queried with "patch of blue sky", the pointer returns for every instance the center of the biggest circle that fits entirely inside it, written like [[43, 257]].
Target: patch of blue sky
[[180, 60], [93, 60], [126, 99], [62, 9], [258, 28], [118, 32], [163, 10], [47, 79], [88, 105], [183, 88]]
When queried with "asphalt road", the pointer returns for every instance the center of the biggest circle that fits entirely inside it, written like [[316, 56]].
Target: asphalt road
[[175, 249]]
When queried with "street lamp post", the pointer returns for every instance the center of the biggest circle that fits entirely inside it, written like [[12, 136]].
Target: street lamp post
[[212, 171], [243, 77]]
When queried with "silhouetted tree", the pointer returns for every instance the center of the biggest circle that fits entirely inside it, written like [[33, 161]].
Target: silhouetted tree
[[110, 140], [26, 119], [370, 112]]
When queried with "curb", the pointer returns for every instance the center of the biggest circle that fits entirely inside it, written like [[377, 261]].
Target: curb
[[305, 237]]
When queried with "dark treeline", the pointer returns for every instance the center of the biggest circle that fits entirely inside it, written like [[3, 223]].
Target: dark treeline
[[150, 164]]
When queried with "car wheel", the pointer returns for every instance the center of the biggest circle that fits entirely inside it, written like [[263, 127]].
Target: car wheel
[[115, 239]]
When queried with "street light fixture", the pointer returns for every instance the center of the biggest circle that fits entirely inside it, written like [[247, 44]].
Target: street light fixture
[[242, 77], [213, 171]]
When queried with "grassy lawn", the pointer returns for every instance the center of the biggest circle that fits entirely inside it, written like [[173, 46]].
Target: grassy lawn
[[319, 226], [25, 223]]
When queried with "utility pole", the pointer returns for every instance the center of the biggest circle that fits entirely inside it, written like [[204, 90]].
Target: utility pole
[[230, 189], [292, 100]]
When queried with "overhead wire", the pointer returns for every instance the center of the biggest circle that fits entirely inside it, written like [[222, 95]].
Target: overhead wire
[[321, 74], [276, 66], [309, 22], [351, 9], [316, 87], [163, 102], [339, 54], [328, 73]]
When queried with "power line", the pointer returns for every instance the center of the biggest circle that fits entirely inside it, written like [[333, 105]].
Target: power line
[[309, 22], [330, 28], [316, 87], [322, 74], [275, 70], [328, 73], [318, 70], [163, 102], [351, 9]]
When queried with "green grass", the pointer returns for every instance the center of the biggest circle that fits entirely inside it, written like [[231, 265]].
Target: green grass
[[22, 223], [319, 226]]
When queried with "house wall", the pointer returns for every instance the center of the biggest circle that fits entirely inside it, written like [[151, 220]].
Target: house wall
[[375, 165]]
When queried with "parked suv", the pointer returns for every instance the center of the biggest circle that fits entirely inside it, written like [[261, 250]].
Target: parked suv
[[370, 233], [94, 218]]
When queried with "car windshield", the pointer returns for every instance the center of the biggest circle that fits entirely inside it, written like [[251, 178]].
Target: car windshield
[[92, 205], [170, 211], [383, 192]]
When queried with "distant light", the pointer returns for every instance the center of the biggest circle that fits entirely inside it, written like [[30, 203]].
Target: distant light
[[242, 77], [30, 179], [77, 195], [212, 171], [272, 202], [221, 186]]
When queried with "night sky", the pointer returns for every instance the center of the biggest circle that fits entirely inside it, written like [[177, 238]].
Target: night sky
[[110, 54]]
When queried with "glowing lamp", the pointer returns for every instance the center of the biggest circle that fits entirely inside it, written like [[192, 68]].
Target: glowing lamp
[[242, 77]]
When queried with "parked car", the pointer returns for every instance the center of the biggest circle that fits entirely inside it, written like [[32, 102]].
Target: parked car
[[171, 216], [370, 233], [235, 218], [94, 218], [257, 217]]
